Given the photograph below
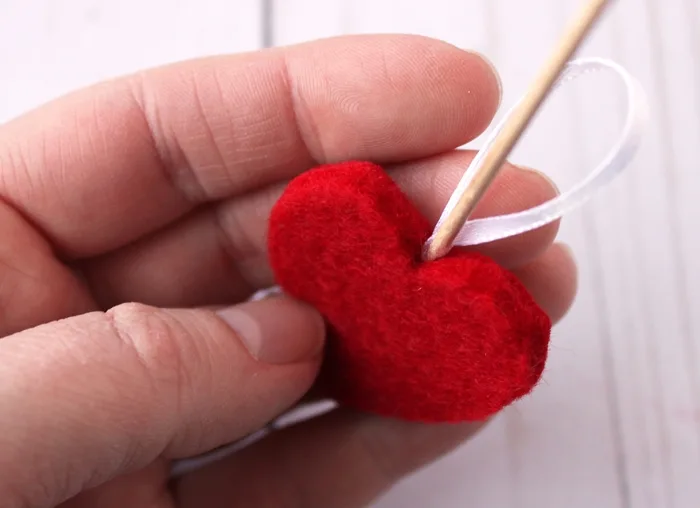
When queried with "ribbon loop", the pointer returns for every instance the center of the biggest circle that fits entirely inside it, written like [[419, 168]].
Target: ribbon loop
[[479, 231]]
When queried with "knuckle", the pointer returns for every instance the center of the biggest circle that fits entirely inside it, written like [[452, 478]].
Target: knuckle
[[173, 156], [155, 342], [301, 112]]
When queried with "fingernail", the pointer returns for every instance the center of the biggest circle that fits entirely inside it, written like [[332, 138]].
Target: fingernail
[[541, 176], [277, 330]]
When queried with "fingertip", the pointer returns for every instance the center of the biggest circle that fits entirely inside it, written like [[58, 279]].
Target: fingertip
[[430, 182], [552, 280], [412, 96], [515, 189], [406, 446], [489, 88], [491, 73]]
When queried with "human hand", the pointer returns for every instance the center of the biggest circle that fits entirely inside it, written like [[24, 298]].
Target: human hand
[[155, 188]]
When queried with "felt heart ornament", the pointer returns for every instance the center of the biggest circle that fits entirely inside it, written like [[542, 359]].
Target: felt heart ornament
[[451, 340]]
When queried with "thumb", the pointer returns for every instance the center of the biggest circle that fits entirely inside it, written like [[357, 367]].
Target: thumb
[[87, 398]]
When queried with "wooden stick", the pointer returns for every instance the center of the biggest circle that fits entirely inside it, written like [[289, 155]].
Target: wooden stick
[[513, 130]]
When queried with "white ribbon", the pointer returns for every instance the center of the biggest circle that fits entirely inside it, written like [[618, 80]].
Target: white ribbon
[[489, 229]]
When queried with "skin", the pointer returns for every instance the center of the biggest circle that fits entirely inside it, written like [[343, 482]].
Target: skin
[[155, 188]]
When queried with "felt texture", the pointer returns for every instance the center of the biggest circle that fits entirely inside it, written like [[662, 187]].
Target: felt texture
[[451, 340]]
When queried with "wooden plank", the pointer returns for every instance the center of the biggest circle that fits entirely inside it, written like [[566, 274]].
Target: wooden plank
[[655, 43], [616, 422], [55, 47], [572, 409], [612, 425]]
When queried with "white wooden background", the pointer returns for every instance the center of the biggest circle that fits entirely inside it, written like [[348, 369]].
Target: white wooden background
[[616, 423]]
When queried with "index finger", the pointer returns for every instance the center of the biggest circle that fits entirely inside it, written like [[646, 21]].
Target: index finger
[[104, 166]]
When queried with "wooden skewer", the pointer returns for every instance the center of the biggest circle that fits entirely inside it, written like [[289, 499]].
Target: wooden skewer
[[514, 128]]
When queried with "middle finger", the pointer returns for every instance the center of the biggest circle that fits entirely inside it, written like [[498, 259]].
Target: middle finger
[[219, 255]]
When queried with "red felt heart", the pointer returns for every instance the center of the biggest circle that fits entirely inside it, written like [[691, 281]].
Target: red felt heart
[[451, 340]]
